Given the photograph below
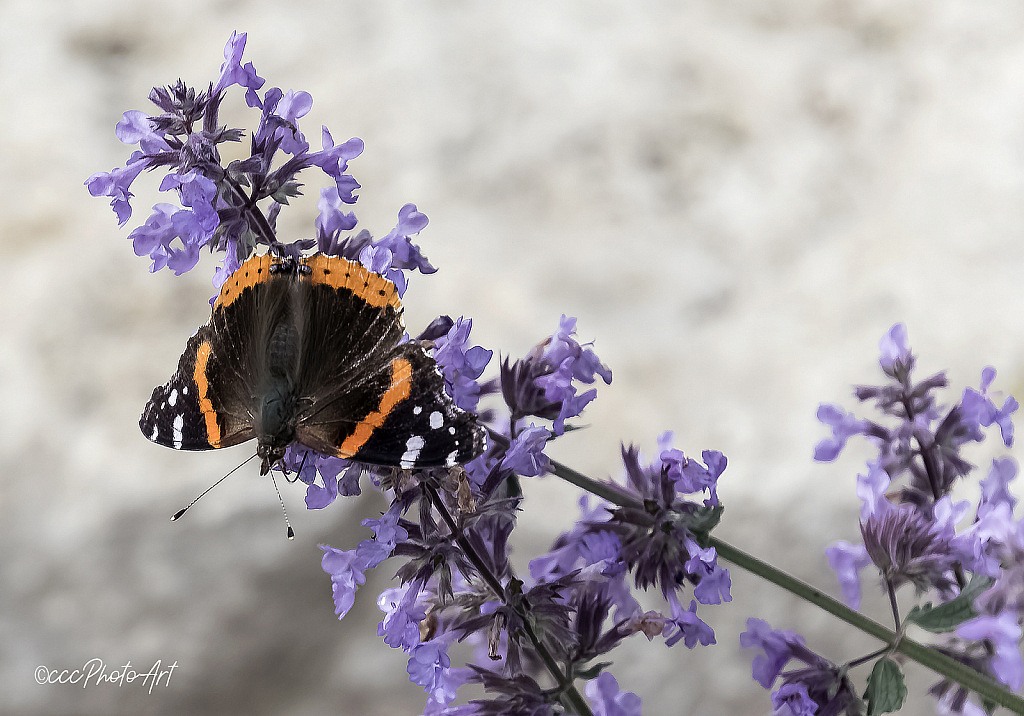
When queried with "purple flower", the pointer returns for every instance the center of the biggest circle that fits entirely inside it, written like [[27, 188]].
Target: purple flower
[[331, 221], [233, 73], [847, 560], [823, 682], [978, 409], [154, 237], [895, 351], [779, 647], [378, 259], [407, 255], [909, 548], [526, 453], [608, 700], [793, 700], [387, 533], [690, 476], [307, 464], [333, 160], [136, 127], [685, 625], [995, 489], [461, 364], [116, 184], [346, 569], [544, 383], [871, 489], [290, 108], [1004, 633], [430, 667], [843, 426], [712, 581], [403, 614]]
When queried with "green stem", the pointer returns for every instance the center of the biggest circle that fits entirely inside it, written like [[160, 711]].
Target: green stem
[[938, 662]]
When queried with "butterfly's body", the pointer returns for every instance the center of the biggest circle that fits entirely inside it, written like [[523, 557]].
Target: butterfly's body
[[309, 351]]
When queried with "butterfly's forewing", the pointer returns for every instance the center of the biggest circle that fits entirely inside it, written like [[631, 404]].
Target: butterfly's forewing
[[210, 401]]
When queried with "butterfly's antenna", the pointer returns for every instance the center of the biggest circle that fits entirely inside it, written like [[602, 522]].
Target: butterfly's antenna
[[291, 532], [180, 512]]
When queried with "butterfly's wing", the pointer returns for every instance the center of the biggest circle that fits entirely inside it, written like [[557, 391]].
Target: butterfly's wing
[[397, 416], [371, 399], [210, 401]]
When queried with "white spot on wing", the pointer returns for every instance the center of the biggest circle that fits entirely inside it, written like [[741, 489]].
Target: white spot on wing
[[436, 420], [412, 451], [451, 429], [450, 460], [179, 422], [155, 431], [417, 410], [172, 398]]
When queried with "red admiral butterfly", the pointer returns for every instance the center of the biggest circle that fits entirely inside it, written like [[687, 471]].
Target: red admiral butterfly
[[307, 351]]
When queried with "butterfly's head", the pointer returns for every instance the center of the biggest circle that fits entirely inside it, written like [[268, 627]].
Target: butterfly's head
[[269, 454]]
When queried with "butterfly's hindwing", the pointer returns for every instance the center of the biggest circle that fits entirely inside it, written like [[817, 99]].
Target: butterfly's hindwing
[[413, 424], [181, 414]]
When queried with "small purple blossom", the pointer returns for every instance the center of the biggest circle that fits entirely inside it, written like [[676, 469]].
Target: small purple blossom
[[778, 645], [332, 221], [378, 259], [116, 184], [1004, 633], [339, 476], [407, 255], [685, 625], [846, 560], [233, 73], [843, 424], [793, 700], [347, 575], [526, 453], [978, 409], [387, 533], [403, 613], [461, 363], [430, 667], [333, 160], [995, 488], [690, 476], [895, 350], [544, 383], [608, 700]]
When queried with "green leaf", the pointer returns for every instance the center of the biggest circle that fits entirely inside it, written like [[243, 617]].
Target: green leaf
[[886, 690], [947, 617]]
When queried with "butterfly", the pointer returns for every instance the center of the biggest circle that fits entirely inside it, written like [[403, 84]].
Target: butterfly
[[309, 351]]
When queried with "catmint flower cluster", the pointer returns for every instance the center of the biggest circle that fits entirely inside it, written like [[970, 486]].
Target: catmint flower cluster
[[915, 534], [447, 530]]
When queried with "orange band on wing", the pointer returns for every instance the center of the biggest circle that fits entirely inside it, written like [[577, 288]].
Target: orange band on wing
[[401, 372], [337, 272], [205, 406], [250, 273]]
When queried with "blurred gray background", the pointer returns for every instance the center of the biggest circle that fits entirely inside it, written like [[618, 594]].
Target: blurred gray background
[[737, 198]]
